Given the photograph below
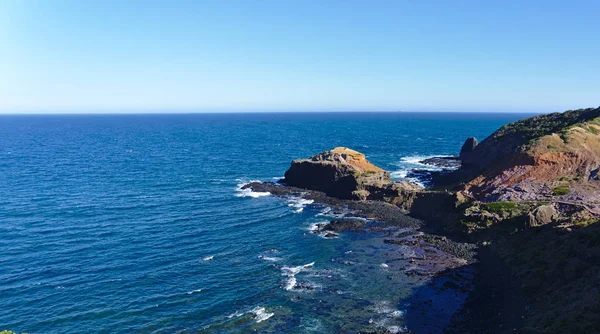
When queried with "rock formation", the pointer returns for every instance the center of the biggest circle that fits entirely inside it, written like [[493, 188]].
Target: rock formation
[[468, 147], [542, 158], [542, 215], [343, 173]]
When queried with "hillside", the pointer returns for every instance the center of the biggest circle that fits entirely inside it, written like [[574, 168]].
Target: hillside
[[548, 157]]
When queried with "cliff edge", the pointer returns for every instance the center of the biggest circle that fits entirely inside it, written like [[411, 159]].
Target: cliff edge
[[552, 157]]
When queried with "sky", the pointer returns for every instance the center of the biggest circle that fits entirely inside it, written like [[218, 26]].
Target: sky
[[217, 56]]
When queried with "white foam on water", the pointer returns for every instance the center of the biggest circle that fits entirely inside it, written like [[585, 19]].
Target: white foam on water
[[299, 203], [397, 314], [315, 227], [325, 211], [248, 192], [236, 314], [397, 329], [269, 258], [291, 273], [208, 258], [413, 162], [399, 174], [261, 314], [194, 291], [383, 265], [385, 307]]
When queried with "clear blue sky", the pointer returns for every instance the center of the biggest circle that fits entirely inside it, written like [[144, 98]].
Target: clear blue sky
[[85, 56]]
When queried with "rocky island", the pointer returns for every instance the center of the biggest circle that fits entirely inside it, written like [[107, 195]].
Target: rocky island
[[527, 197]]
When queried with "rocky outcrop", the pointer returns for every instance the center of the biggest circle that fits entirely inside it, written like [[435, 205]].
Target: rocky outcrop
[[341, 225], [344, 173], [542, 215], [468, 147], [542, 158]]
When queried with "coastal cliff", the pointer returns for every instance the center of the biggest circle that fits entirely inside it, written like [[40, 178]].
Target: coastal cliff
[[553, 157], [528, 196]]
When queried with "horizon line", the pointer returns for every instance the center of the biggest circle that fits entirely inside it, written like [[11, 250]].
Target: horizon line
[[193, 112]]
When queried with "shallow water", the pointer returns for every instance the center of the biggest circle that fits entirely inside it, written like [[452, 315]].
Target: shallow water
[[137, 222]]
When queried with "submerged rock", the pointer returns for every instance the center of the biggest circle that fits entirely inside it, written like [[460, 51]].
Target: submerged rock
[[340, 225], [343, 173]]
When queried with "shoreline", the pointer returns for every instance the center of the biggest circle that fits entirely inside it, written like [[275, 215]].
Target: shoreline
[[457, 268]]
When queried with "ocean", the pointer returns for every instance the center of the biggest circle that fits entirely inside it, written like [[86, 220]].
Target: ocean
[[137, 223]]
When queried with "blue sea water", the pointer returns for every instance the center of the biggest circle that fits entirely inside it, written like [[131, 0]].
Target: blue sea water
[[136, 223]]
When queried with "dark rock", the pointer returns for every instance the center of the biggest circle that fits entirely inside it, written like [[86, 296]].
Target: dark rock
[[340, 225], [442, 162], [468, 147]]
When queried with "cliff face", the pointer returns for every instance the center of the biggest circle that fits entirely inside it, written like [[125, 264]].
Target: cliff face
[[554, 156]]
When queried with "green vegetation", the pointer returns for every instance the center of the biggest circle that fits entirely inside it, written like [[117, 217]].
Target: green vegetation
[[593, 130], [500, 207], [561, 190], [542, 125]]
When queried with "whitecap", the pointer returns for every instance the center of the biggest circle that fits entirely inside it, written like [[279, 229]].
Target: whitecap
[[299, 203], [236, 314], [325, 211], [261, 314], [208, 258], [269, 258], [291, 273], [383, 265], [249, 192], [409, 163], [194, 291]]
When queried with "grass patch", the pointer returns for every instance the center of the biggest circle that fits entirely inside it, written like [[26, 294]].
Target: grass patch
[[561, 190], [500, 207]]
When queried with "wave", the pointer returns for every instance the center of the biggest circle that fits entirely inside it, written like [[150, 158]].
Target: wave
[[269, 258], [208, 258], [413, 163], [260, 314], [194, 291], [299, 203], [291, 273], [248, 192]]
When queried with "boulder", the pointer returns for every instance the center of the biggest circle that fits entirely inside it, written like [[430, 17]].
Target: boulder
[[542, 215], [341, 173], [468, 147]]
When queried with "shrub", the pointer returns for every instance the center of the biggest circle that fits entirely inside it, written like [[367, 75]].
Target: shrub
[[500, 207], [561, 190]]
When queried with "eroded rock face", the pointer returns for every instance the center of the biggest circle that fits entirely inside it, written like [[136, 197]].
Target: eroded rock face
[[528, 159], [468, 147], [343, 173]]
